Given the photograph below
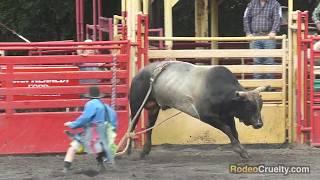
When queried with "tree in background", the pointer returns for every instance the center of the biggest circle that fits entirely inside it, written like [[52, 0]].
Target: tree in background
[[38, 20], [48, 20], [230, 17]]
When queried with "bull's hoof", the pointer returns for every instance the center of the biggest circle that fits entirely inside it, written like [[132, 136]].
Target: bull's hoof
[[238, 148], [143, 155], [244, 155], [129, 151]]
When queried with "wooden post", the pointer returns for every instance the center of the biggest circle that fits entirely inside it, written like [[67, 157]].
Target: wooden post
[[145, 9], [291, 76], [133, 7], [168, 26], [123, 6], [201, 18], [284, 81], [214, 27]]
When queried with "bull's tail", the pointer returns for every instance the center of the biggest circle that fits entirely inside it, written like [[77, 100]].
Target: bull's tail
[[138, 107], [138, 98]]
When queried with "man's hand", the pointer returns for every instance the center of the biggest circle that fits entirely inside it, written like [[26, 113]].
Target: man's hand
[[272, 35], [318, 26], [249, 35], [67, 123]]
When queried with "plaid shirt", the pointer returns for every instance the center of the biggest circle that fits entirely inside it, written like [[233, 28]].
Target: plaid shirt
[[315, 14], [262, 19]]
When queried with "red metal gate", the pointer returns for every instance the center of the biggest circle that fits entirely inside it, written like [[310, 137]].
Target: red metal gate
[[35, 101], [308, 79]]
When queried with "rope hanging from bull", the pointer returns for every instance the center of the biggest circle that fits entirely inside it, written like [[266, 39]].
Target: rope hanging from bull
[[129, 134]]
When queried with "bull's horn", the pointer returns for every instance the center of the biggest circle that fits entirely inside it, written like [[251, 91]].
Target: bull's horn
[[241, 93], [262, 88]]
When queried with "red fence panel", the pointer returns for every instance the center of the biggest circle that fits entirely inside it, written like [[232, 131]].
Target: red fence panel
[[308, 102], [44, 83], [35, 99]]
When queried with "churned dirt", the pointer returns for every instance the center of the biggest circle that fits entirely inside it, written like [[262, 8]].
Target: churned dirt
[[167, 162]]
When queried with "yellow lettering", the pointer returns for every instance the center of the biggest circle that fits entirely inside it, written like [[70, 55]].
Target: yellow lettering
[[233, 168]]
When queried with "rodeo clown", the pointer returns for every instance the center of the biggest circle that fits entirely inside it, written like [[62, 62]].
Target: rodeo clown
[[99, 122]]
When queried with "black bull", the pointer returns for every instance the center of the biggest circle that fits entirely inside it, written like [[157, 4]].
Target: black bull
[[211, 94]]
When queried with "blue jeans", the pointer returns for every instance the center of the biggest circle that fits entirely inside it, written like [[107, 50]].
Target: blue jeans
[[263, 44]]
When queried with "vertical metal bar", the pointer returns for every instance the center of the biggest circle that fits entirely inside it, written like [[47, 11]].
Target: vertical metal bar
[[139, 42], [306, 24], [81, 20], [306, 96], [129, 77], [99, 8], [87, 32], [78, 19], [299, 85], [146, 40], [110, 29], [312, 91], [9, 87], [306, 73], [94, 19], [99, 22], [100, 35]]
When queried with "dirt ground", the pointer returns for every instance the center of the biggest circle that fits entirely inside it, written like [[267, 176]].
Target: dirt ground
[[167, 162]]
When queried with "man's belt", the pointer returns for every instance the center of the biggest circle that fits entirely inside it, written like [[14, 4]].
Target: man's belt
[[260, 33]]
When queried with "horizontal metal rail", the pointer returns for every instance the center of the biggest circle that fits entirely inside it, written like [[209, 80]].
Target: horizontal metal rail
[[152, 38]]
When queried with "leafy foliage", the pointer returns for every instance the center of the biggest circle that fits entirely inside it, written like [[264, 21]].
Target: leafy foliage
[[37, 20], [230, 17], [48, 20]]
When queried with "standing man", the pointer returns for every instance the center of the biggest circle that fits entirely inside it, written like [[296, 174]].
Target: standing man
[[262, 18]]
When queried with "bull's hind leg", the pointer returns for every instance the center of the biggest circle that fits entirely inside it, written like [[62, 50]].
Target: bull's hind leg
[[152, 117], [138, 92], [136, 99], [134, 106]]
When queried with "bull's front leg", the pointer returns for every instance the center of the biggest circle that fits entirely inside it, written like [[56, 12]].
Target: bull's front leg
[[239, 148], [232, 134], [236, 146]]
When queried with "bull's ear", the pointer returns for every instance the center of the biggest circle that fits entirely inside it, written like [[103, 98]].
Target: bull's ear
[[240, 95]]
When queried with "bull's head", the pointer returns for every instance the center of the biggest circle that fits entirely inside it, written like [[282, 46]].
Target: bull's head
[[249, 105]]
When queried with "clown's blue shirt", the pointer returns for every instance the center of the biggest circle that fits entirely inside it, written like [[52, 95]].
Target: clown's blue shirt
[[94, 113]]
